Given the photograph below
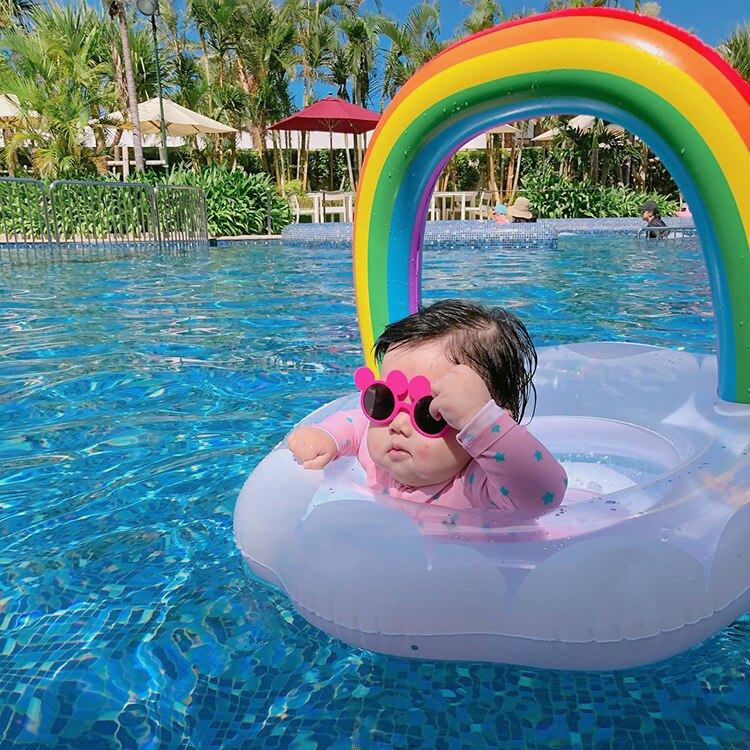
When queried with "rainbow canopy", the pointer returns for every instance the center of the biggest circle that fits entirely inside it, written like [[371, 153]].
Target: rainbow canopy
[[657, 80]]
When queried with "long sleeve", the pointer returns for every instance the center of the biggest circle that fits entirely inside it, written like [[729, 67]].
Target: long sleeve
[[511, 469], [347, 428]]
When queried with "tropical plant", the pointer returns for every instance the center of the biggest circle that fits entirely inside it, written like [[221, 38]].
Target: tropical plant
[[181, 74], [315, 42], [736, 50], [15, 10], [60, 75], [118, 12], [553, 196], [266, 56], [413, 43], [599, 151], [484, 15], [236, 202], [358, 53]]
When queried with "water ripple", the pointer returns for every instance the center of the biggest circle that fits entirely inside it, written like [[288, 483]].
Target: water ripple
[[136, 396]]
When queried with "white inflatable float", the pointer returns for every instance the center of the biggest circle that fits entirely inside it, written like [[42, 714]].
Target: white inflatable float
[[646, 557], [649, 553]]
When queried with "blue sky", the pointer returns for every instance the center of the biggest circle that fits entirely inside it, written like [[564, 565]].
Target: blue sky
[[711, 20]]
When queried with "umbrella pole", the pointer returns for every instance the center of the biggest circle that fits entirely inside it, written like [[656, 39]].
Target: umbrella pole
[[330, 159], [349, 161]]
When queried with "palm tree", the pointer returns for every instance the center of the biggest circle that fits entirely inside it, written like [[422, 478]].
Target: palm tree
[[117, 10], [61, 75], [561, 4], [736, 50], [358, 53], [353, 66], [265, 55], [484, 15], [413, 43], [316, 42], [217, 22], [15, 10]]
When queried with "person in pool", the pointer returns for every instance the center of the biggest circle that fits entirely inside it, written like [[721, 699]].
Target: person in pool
[[500, 214], [650, 214], [520, 211], [442, 424]]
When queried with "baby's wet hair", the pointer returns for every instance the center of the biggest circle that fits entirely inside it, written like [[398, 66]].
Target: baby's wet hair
[[492, 341]]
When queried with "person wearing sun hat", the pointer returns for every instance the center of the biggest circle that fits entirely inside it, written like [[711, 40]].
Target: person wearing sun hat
[[520, 211]]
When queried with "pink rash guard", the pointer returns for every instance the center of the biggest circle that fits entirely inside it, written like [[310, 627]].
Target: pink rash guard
[[510, 469]]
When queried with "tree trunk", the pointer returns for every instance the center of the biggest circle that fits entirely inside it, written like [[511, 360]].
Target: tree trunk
[[277, 166], [303, 160], [122, 91], [130, 81], [206, 69], [639, 178], [360, 147], [509, 178], [594, 166], [10, 154], [489, 156], [517, 175], [232, 150], [352, 186], [260, 147]]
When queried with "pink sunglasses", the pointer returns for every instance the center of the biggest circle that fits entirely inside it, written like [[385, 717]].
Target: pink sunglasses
[[382, 401]]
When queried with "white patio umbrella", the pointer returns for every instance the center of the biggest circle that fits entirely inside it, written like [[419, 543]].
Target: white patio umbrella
[[584, 123], [178, 120]]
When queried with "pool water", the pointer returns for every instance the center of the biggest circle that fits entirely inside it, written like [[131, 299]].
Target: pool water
[[135, 397]]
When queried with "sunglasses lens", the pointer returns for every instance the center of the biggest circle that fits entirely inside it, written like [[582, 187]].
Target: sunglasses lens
[[424, 420], [378, 402]]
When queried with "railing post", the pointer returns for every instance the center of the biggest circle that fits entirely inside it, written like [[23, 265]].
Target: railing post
[[268, 211], [156, 218], [98, 217]]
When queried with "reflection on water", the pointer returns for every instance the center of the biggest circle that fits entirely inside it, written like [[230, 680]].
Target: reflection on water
[[136, 395]]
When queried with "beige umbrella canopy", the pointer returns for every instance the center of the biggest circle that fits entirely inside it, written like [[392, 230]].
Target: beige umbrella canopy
[[10, 111], [502, 129], [584, 123], [178, 120], [9, 108]]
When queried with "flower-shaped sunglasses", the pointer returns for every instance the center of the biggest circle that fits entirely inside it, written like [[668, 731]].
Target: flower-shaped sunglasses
[[382, 401]]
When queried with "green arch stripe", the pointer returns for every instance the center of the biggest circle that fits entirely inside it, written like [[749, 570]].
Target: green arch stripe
[[726, 255]]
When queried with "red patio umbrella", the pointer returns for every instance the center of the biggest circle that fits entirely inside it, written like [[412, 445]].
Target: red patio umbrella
[[330, 115]]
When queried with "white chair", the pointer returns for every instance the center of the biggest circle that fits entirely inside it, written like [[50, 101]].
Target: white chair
[[483, 209], [312, 211], [337, 203]]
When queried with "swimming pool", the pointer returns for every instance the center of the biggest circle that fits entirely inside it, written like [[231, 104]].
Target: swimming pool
[[135, 397]]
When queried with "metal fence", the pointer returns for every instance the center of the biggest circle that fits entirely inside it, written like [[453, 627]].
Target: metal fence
[[76, 219], [180, 215], [667, 233]]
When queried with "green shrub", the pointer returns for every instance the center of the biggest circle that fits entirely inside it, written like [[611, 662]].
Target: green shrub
[[555, 197], [236, 202]]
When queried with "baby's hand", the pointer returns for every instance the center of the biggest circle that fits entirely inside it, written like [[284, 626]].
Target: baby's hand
[[459, 396], [313, 447]]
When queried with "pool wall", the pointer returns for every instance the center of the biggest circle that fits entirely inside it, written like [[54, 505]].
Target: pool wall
[[543, 233]]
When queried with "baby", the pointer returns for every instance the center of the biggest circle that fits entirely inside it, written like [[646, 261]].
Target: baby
[[441, 424]]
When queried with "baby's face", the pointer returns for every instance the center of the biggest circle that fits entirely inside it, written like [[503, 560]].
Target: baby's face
[[411, 458]]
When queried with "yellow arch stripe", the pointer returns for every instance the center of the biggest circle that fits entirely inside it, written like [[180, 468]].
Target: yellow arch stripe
[[631, 63]]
